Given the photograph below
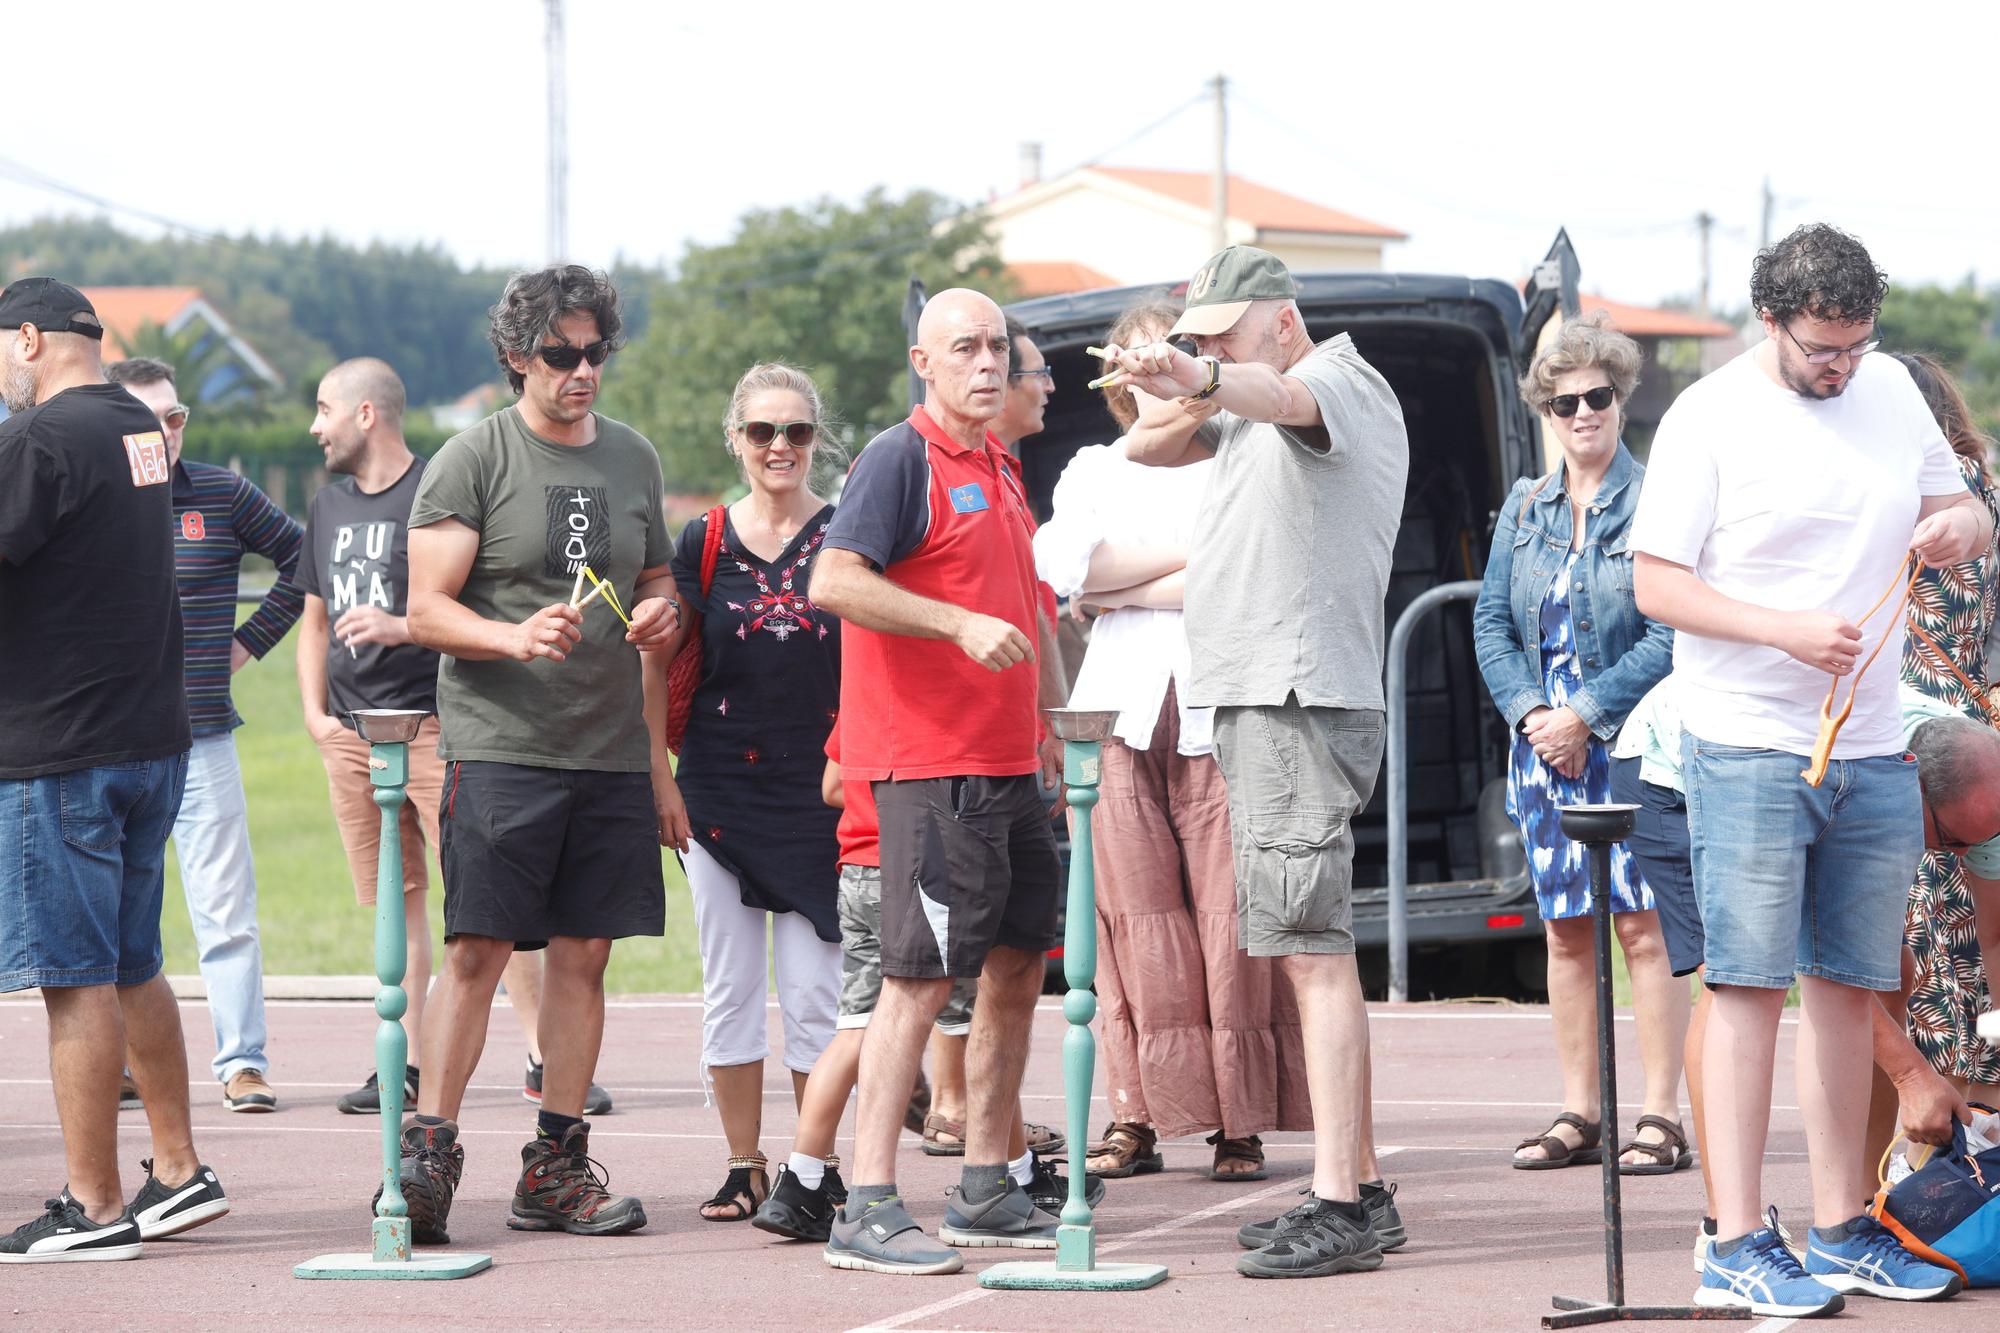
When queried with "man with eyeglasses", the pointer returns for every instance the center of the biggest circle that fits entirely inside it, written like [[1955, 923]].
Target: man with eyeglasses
[[1030, 381], [555, 805], [1784, 492], [219, 517]]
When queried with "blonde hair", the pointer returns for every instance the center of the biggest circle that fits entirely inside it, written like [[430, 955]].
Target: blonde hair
[[1158, 314], [829, 456], [1581, 343]]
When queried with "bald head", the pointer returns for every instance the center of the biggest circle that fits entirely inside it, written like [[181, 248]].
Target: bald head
[[961, 356], [359, 416], [367, 379]]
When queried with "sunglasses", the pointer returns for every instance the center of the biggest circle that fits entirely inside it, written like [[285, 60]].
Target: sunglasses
[[562, 356], [763, 434], [175, 417], [1826, 357], [1564, 404]]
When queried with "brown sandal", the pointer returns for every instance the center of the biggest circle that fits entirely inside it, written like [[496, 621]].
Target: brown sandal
[[1044, 1141], [746, 1181], [1560, 1154], [1127, 1150], [1669, 1155], [1249, 1149]]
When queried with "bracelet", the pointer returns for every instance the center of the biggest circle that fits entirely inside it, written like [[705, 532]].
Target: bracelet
[[1214, 377]]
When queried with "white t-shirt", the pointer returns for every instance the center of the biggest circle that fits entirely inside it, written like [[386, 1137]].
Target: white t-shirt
[[1792, 503]]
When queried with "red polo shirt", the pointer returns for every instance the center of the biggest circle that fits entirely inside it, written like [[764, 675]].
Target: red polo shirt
[[951, 524]]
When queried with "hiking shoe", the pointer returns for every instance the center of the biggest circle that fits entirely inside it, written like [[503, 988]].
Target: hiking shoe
[[367, 1099], [792, 1210], [62, 1234], [1051, 1191], [1761, 1276], [1379, 1202], [1867, 1261], [1704, 1236], [595, 1102], [1009, 1218], [162, 1210], [886, 1239], [1256, 1235], [128, 1093], [428, 1176], [1317, 1241], [246, 1090], [563, 1189]]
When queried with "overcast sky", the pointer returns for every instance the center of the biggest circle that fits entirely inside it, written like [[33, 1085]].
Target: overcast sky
[[1477, 128]]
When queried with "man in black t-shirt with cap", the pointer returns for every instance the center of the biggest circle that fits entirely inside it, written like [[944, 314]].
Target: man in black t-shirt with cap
[[93, 753]]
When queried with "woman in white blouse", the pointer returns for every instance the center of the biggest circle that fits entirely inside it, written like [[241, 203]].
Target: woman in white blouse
[[1197, 1037]]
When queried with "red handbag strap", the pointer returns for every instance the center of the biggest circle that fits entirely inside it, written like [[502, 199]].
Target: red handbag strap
[[711, 547]]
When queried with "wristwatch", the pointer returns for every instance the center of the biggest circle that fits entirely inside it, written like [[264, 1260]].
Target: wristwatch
[[1214, 376]]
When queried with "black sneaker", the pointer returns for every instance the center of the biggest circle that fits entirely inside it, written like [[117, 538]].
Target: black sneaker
[[563, 1189], [835, 1187], [595, 1102], [163, 1210], [367, 1099], [1317, 1241], [62, 1234], [1256, 1235], [1051, 1191], [796, 1212], [432, 1163], [1379, 1202]]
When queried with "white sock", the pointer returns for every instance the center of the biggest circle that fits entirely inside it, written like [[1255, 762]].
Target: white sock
[[810, 1170], [1022, 1168]]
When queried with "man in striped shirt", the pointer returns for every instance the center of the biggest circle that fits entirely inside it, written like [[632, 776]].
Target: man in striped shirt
[[218, 516]]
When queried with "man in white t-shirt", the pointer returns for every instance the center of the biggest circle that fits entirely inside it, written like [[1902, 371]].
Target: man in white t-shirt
[[1783, 494]]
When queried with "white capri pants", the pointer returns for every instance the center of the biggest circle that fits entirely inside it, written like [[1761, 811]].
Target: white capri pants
[[734, 973]]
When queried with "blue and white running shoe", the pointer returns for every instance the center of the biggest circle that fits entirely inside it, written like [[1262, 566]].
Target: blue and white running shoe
[[1868, 1261], [1763, 1278]]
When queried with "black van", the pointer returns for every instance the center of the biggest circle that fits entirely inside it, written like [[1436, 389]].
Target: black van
[[1452, 348]]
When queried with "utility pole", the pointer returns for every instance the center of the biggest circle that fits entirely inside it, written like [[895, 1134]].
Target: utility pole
[[558, 183], [1219, 226], [1705, 220], [1764, 226]]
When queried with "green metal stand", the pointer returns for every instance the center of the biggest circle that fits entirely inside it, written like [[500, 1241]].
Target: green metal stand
[[389, 733], [1076, 1267]]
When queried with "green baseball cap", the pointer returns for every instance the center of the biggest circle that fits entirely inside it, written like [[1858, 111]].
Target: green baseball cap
[[1223, 288]]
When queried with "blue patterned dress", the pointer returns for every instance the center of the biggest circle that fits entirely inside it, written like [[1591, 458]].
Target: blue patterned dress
[[1560, 868]]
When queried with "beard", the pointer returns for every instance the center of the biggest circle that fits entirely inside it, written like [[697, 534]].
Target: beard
[[344, 460], [17, 383], [1805, 381]]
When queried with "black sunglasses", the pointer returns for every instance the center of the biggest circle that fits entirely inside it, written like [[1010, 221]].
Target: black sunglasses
[[798, 434], [562, 356], [1564, 404]]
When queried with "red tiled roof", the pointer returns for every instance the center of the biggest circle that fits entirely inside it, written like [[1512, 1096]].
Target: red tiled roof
[[1055, 277], [1638, 321], [122, 310], [1259, 205]]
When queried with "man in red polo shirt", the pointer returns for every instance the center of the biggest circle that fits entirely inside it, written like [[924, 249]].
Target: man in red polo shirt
[[929, 561]]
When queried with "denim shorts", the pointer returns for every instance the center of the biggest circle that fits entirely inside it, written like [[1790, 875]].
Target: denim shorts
[[82, 865], [1659, 843], [1804, 880]]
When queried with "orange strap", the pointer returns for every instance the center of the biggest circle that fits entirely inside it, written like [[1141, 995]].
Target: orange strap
[[1979, 696], [1829, 723]]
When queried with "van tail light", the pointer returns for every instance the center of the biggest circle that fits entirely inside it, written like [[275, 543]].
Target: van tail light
[[1507, 921]]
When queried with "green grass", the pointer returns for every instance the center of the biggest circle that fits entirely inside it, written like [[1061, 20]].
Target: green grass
[[305, 897]]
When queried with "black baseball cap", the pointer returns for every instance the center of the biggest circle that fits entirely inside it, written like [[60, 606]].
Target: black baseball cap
[[49, 305]]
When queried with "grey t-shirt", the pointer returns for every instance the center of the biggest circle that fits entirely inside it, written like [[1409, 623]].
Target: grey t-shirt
[[1290, 563], [542, 511]]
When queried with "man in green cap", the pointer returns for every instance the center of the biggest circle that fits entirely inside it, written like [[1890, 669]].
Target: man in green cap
[[1285, 588]]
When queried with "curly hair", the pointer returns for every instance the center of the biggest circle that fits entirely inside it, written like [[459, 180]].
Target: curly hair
[[1152, 317], [1581, 343], [1819, 271], [534, 303]]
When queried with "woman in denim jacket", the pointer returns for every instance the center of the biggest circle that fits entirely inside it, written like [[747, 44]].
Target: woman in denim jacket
[[1566, 655]]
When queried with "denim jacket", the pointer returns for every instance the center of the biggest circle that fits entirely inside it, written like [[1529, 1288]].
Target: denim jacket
[[1621, 653]]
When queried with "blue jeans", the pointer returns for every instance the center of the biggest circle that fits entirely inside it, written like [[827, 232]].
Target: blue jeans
[[212, 840], [82, 865], [1798, 879]]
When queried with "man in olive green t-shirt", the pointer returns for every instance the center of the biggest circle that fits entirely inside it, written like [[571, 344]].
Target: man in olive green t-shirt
[[555, 801]]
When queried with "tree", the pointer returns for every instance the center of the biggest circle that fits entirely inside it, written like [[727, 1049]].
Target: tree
[[206, 371], [820, 286], [1949, 323]]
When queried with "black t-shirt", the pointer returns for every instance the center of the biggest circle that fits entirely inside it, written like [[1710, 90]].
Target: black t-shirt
[[357, 553], [90, 660]]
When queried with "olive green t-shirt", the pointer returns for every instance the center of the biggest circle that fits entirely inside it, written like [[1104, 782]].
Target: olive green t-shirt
[[542, 510]]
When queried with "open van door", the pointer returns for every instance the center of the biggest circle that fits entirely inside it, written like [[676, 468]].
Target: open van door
[[1550, 298]]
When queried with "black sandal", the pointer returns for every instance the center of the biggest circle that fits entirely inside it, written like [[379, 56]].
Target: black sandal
[[746, 1180], [1560, 1154], [1669, 1155]]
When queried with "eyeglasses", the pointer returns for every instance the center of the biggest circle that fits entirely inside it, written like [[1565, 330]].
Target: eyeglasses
[[763, 434], [175, 417], [1824, 357], [1047, 375], [563, 356], [1948, 841], [1564, 404]]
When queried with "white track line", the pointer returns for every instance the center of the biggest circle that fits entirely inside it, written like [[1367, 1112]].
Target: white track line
[[1772, 1325]]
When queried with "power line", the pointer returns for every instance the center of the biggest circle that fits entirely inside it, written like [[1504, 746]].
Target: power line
[[26, 175]]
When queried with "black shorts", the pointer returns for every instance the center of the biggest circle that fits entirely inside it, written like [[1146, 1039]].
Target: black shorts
[[532, 853], [967, 864], [1660, 844]]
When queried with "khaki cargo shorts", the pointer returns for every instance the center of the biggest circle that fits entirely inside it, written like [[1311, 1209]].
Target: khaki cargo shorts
[[1297, 776]]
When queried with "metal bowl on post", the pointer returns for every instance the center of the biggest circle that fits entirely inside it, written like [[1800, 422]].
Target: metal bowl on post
[[1080, 724], [385, 726], [1591, 824]]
